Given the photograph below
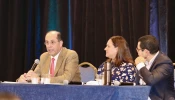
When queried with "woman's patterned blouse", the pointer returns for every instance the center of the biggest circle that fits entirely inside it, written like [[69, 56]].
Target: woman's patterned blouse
[[126, 72]]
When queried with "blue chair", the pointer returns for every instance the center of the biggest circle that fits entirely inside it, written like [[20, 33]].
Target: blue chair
[[87, 72]]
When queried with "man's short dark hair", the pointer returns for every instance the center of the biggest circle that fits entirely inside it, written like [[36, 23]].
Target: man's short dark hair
[[150, 43]]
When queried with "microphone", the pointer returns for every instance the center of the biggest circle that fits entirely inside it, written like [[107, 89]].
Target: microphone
[[36, 62]]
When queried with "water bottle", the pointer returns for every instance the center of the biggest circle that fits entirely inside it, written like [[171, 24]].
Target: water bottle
[[107, 73]]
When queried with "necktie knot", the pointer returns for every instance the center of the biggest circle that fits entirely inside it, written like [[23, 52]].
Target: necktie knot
[[53, 59]]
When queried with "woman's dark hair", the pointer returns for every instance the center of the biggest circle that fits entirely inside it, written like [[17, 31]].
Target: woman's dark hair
[[123, 54]]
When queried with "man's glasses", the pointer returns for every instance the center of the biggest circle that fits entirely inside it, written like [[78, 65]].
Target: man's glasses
[[139, 49], [51, 43]]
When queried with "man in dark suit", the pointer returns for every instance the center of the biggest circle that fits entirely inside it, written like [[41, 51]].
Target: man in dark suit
[[61, 63], [154, 69]]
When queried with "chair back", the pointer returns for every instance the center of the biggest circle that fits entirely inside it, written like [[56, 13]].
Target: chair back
[[87, 72]]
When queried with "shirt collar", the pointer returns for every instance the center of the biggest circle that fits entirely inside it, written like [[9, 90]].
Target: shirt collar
[[56, 57], [152, 59]]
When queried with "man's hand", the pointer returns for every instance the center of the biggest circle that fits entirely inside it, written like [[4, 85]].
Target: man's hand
[[22, 78], [31, 74], [139, 60]]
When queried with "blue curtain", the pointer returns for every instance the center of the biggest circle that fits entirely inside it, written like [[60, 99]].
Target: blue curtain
[[158, 18], [53, 17], [69, 25]]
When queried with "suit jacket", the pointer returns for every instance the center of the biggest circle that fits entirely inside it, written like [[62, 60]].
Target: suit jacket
[[160, 78], [66, 66]]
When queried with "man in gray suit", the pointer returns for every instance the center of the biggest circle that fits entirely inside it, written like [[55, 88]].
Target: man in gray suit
[[154, 69], [61, 63]]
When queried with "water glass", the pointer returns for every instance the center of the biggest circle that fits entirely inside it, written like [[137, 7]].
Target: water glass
[[45, 79], [100, 79]]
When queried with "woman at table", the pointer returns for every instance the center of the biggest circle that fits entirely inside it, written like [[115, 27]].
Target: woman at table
[[122, 64]]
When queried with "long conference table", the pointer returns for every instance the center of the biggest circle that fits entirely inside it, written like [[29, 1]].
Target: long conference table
[[75, 92]]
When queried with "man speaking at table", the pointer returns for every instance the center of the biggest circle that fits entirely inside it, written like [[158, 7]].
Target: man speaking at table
[[61, 63]]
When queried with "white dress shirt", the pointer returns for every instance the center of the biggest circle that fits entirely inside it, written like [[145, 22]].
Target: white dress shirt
[[148, 65], [55, 61]]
